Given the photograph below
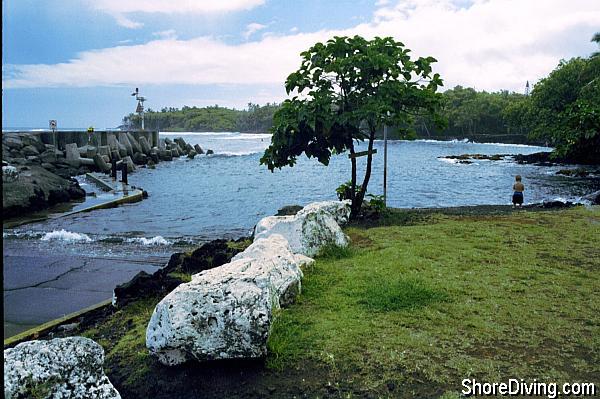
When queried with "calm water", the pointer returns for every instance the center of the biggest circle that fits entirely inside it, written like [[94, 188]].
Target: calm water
[[224, 195]]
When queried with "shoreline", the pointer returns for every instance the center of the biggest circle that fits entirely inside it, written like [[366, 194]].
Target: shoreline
[[121, 331], [132, 267]]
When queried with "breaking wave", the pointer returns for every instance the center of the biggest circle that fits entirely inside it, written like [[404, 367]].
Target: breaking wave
[[64, 235], [157, 240]]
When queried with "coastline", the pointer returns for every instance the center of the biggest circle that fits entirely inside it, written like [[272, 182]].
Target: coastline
[[121, 331]]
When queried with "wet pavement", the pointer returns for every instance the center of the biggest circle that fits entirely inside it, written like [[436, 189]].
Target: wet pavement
[[39, 287]]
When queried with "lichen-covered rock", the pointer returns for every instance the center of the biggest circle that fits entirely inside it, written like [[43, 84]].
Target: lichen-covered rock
[[313, 227], [59, 368], [226, 312]]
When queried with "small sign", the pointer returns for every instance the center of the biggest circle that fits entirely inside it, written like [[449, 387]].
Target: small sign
[[361, 154], [53, 124]]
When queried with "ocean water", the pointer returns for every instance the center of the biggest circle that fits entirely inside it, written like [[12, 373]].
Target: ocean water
[[225, 194]]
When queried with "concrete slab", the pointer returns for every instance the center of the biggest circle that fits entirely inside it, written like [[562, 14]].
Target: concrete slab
[[39, 288]]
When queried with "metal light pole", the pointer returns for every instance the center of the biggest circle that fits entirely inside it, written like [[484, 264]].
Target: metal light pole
[[385, 129]]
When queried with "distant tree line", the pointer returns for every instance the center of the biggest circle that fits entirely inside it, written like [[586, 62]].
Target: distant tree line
[[563, 111], [255, 118]]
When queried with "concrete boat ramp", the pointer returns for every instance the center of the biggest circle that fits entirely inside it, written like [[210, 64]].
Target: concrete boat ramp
[[40, 287]]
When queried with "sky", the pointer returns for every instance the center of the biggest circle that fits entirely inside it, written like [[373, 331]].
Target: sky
[[78, 61]]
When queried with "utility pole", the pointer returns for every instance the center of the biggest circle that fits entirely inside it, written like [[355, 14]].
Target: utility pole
[[140, 105], [385, 130]]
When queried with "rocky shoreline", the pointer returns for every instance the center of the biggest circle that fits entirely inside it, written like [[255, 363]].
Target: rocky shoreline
[[37, 175]]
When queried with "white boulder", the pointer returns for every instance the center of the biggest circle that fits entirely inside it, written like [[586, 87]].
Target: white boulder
[[59, 368], [311, 228], [226, 312]]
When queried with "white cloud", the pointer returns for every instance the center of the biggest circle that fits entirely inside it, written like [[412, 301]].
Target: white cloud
[[119, 8], [169, 34], [126, 22], [253, 28], [491, 45]]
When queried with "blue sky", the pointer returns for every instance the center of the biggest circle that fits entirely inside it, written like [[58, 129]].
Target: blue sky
[[78, 61]]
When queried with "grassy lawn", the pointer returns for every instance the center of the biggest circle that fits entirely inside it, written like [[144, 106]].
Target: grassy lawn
[[411, 310]]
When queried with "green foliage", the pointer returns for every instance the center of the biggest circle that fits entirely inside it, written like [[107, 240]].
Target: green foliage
[[565, 109], [344, 191], [344, 91], [213, 119], [377, 203]]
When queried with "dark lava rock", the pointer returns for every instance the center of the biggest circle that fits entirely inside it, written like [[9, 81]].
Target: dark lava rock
[[37, 188], [212, 254], [557, 204], [209, 152], [142, 285], [594, 197], [579, 172], [288, 210]]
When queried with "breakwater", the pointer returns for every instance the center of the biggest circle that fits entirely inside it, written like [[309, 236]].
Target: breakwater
[[37, 167]]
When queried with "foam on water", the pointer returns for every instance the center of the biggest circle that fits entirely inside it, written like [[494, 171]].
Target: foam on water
[[157, 240], [64, 235]]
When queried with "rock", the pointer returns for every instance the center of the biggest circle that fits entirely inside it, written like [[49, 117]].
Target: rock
[[12, 141], [154, 155], [134, 143], [315, 226], [168, 141], [556, 204], [225, 312], [9, 174], [72, 154], [198, 149], [165, 155], [593, 198], [86, 162], [130, 165], [124, 140], [145, 145], [32, 159], [191, 154], [101, 164], [50, 156], [579, 172], [140, 159], [189, 148], [59, 368], [49, 167], [209, 255], [29, 150], [151, 163], [142, 285], [88, 151], [36, 188], [104, 150], [289, 210], [209, 152]]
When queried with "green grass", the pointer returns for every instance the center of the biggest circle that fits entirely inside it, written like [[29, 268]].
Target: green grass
[[490, 297]]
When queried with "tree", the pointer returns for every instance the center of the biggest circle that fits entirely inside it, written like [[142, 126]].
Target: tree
[[345, 90], [565, 108], [596, 39]]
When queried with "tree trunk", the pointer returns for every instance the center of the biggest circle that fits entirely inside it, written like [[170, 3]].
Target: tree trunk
[[358, 199], [353, 179]]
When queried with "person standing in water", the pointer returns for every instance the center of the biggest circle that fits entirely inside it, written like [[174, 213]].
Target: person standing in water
[[518, 188]]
